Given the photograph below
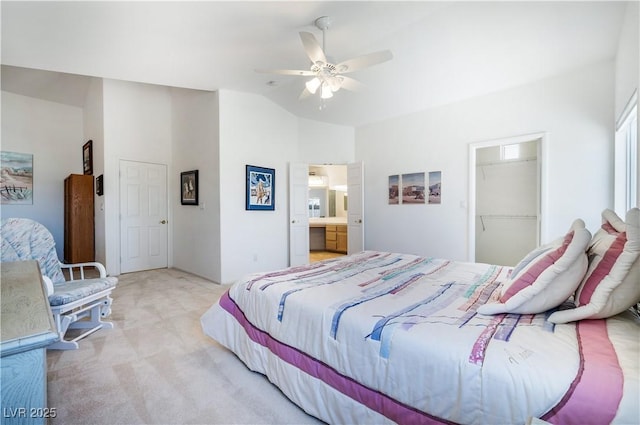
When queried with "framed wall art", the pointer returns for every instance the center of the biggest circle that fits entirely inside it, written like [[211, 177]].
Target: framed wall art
[[394, 189], [260, 188], [413, 188], [87, 157], [100, 185], [435, 187], [189, 187], [16, 178]]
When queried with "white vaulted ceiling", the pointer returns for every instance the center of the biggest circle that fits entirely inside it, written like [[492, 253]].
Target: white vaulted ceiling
[[443, 51]]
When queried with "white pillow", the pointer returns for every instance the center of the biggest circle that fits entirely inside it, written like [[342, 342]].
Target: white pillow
[[612, 282], [546, 277]]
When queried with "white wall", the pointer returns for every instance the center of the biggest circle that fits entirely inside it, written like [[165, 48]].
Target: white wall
[[137, 127], [627, 58], [322, 143], [576, 110], [253, 131], [52, 132], [196, 229], [94, 130], [628, 65]]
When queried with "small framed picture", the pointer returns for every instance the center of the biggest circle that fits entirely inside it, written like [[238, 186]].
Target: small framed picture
[[394, 189], [435, 187], [413, 188], [87, 157], [261, 188], [99, 185], [189, 187]]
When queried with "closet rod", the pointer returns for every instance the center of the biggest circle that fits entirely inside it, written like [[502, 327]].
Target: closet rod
[[501, 216]]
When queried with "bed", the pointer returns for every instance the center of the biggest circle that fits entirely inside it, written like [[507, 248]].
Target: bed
[[381, 337]]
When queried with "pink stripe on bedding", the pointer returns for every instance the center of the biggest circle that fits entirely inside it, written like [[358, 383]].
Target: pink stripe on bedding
[[599, 379], [607, 227], [480, 346], [603, 268], [530, 275], [375, 400]]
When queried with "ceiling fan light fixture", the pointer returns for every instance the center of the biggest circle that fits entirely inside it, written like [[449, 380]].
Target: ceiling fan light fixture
[[312, 85], [326, 76], [335, 83], [326, 91]]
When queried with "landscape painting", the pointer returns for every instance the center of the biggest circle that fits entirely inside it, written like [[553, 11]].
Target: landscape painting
[[435, 186], [413, 188], [394, 189], [16, 178]]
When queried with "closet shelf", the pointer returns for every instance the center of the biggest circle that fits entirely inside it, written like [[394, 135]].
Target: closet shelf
[[505, 161], [507, 216]]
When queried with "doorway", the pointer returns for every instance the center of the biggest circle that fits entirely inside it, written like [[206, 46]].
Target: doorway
[[352, 235], [328, 206], [505, 199], [143, 216]]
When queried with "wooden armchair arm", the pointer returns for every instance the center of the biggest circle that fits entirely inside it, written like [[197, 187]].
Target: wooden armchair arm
[[81, 266]]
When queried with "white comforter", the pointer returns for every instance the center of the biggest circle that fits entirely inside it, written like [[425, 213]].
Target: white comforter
[[398, 334]]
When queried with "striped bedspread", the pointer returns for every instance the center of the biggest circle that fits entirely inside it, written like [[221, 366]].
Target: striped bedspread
[[398, 336]]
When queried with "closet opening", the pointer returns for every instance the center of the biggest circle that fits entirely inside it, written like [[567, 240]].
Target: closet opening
[[505, 199]]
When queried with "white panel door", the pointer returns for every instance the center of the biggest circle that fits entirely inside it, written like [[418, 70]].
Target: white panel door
[[143, 216], [355, 208], [298, 214]]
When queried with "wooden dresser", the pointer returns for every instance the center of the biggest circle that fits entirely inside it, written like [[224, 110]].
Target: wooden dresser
[[79, 245], [27, 329]]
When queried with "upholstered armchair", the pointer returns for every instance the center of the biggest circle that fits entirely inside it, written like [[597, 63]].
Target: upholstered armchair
[[76, 303]]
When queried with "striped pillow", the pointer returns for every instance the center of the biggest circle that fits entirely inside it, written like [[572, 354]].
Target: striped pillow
[[612, 282], [546, 277]]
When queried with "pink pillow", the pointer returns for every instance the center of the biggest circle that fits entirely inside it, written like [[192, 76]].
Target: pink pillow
[[612, 282], [546, 277]]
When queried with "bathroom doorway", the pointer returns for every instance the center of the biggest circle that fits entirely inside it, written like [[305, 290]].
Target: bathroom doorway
[[328, 207], [346, 234]]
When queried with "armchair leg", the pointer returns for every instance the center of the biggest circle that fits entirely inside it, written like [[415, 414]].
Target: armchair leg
[[105, 309], [88, 318], [64, 345]]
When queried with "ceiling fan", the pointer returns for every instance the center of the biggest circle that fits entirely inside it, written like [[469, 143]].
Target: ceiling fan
[[328, 77]]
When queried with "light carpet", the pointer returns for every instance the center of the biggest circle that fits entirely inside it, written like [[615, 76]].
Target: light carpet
[[157, 366]]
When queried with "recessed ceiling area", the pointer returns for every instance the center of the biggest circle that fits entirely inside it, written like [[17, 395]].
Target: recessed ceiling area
[[443, 52]]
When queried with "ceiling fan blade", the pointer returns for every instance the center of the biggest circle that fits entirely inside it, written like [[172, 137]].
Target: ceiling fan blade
[[286, 72], [364, 61], [312, 47], [351, 84]]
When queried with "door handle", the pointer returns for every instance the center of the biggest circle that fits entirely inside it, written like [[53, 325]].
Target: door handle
[[163, 221], [293, 221]]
